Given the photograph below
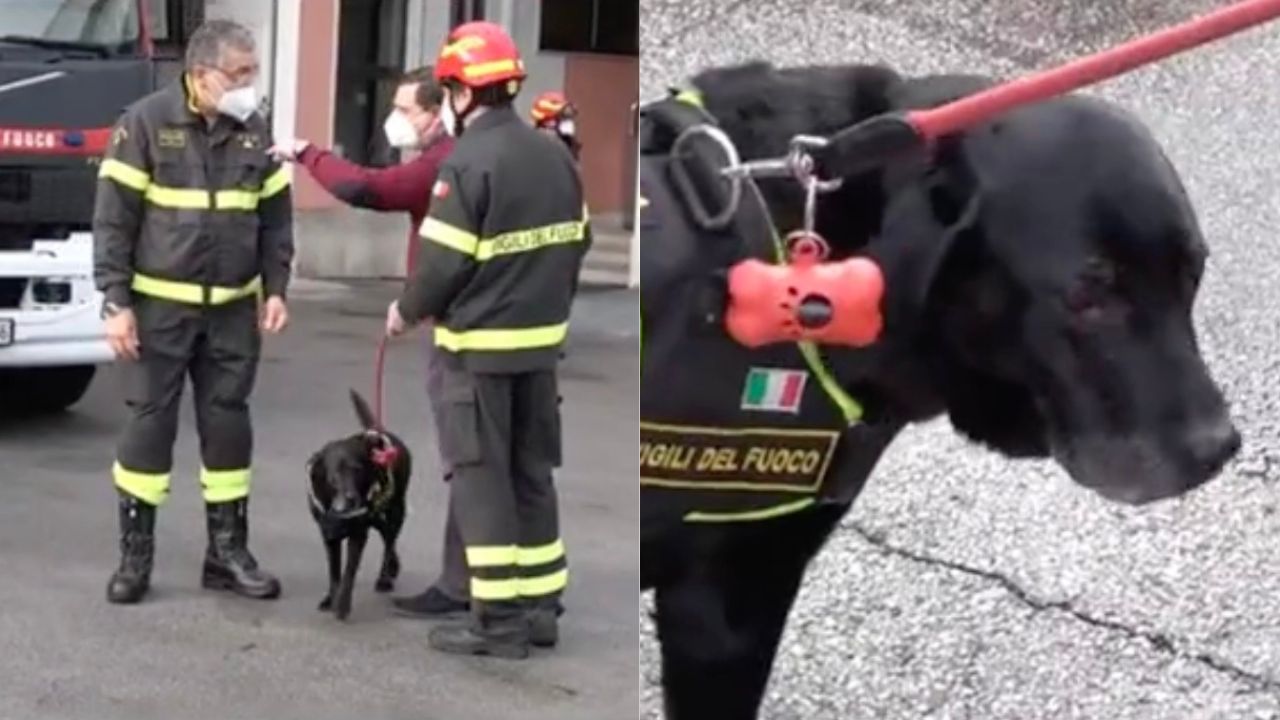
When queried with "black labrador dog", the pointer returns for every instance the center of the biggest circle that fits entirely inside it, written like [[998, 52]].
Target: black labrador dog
[[1040, 275], [356, 483]]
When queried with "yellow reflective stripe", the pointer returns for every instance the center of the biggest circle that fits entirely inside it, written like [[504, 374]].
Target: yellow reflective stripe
[[765, 514], [541, 554], [488, 68], [491, 555], [449, 236], [535, 337], [178, 198], [532, 239], [224, 485], [125, 174], [482, 589], [150, 488], [276, 182], [191, 293], [543, 584], [193, 199], [235, 200]]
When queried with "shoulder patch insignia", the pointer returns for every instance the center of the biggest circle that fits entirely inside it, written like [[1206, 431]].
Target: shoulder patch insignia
[[248, 141], [119, 135], [774, 390], [175, 138], [440, 189]]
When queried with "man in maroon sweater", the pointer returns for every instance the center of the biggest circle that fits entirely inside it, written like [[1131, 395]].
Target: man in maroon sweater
[[412, 125]]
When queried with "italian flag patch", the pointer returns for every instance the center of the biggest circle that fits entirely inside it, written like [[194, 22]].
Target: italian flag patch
[[774, 390]]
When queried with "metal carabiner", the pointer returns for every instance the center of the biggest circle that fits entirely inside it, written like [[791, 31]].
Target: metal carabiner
[[802, 162]]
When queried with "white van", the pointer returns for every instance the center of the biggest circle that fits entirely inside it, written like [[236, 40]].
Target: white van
[[52, 337]]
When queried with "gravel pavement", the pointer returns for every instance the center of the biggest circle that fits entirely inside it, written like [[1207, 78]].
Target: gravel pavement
[[966, 586]]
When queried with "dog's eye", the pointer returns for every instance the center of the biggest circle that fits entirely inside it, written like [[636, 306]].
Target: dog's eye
[[1100, 272], [1094, 287]]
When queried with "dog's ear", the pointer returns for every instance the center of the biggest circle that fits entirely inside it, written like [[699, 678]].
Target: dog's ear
[[929, 211]]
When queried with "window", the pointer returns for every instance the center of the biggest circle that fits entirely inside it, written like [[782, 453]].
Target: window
[[464, 11], [106, 23], [590, 26]]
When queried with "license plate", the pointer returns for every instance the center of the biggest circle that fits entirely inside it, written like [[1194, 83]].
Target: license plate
[[6, 332]]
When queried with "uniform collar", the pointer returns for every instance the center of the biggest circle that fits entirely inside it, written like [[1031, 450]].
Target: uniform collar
[[492, 118], [181, 102]]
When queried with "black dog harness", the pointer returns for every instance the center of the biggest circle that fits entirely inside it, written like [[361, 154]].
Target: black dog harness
[[727, 434]]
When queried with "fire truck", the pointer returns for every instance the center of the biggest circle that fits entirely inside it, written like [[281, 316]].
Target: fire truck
[[68, 68]]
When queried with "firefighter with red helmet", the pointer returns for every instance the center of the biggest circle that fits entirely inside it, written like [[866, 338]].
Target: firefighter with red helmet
[[554, 114], [503, 244]]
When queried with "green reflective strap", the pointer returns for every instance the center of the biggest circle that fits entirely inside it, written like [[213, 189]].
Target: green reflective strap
[[690, 96], [765, 514], [851, 409]]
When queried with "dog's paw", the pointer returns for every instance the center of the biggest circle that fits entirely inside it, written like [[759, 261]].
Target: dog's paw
[[385, 584], [344, 608], [326, 604]]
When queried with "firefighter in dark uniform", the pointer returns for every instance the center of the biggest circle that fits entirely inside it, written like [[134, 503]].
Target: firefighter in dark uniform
[[552, 113], [193, 239], [503, 245]]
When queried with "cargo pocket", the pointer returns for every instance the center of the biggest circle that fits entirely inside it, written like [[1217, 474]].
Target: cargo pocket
[[459, 428]]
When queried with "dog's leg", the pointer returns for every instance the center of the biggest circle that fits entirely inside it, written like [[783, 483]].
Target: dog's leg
[[333, 548], [390, 530], [355, 549], [720, 623]]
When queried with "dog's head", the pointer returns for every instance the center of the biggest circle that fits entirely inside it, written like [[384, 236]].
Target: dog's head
[[345, 474], [1049, 263]]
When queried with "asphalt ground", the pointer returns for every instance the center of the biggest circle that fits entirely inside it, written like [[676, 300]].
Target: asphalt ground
[[192, 654], [962, 585]]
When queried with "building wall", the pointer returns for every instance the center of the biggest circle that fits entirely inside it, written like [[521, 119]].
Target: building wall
[[317, 63], [604, 87]]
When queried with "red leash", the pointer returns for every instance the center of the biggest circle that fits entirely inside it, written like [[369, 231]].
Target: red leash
[[379, 363], [385, 455], [1094, 68], [876, 141]]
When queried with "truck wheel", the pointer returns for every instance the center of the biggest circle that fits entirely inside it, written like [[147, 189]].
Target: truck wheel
[[43, 390]]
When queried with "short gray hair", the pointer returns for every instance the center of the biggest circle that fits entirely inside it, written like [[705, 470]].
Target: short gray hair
[[209, 41]]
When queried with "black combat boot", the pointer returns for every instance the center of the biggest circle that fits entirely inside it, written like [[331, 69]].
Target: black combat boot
[[500, 633], [137, 548], [228, 564], [544, 622]]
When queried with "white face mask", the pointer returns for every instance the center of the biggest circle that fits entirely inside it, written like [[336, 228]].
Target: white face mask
[[239, 103], [400, 132]]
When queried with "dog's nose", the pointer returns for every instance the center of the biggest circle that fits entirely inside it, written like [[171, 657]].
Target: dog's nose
[[1212, 445]]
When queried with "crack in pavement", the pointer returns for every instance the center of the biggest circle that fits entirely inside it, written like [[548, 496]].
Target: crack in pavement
[[1162, 642]]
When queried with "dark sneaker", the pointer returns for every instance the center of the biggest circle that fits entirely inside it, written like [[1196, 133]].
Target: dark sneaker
[[432, 604]]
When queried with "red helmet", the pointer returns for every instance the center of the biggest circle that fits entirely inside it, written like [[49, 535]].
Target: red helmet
[[549, 107], [477, 54]]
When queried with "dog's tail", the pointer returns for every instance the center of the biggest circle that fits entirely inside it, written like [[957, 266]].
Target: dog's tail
[[363, 413]]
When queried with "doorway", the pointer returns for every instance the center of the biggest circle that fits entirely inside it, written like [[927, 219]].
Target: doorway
[[370, 61]]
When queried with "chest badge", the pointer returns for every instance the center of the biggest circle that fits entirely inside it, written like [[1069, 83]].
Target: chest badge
[[248, 141], [774, 390], [172, 138]]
